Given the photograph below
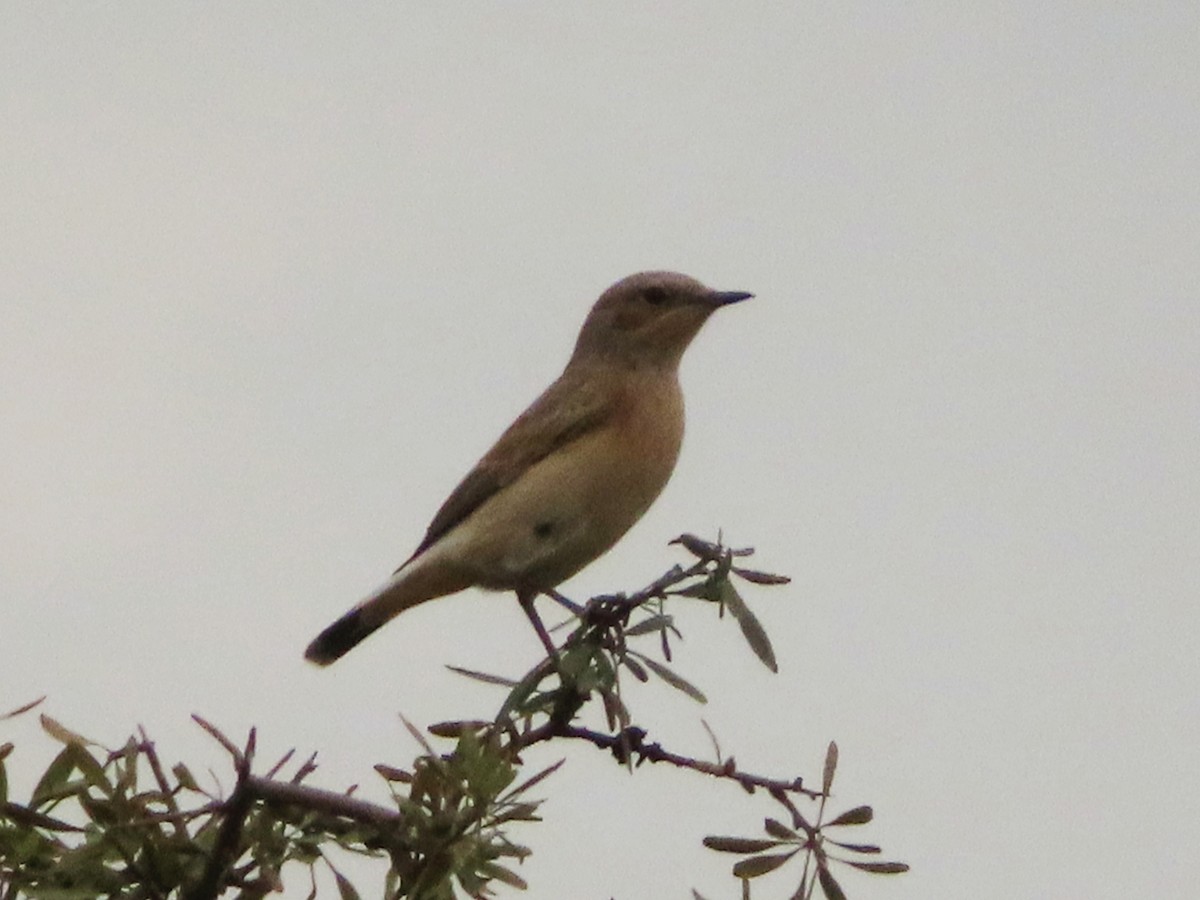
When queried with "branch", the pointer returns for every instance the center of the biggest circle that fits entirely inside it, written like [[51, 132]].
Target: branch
[[631, 741], [285, 793], [225, 850]]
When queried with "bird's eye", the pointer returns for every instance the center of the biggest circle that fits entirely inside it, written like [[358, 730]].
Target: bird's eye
[[655, 295]]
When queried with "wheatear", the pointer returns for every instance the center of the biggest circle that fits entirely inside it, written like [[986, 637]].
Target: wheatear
[[571, 475]]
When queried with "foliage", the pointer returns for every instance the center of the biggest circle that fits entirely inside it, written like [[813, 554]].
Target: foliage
[[119, 823]]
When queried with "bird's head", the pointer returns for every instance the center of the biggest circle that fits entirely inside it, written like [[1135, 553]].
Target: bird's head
[[649, 318]]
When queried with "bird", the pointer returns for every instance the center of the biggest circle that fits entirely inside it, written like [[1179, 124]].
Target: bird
[[573, 472]]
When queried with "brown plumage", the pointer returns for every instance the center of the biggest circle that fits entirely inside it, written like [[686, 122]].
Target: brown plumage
[[571, 475]]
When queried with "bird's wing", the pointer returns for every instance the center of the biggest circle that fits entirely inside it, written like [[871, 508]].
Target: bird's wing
[[570, 408]]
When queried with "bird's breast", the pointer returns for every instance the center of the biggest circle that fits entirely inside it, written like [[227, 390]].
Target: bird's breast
[[574, 504]]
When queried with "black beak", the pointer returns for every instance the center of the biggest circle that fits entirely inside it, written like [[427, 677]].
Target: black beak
[[724, 298]]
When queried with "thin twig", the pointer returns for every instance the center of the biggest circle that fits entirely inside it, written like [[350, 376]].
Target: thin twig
[[631, 741], [173, 812]]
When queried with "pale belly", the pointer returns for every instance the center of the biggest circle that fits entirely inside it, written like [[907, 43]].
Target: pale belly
[[573, 506]]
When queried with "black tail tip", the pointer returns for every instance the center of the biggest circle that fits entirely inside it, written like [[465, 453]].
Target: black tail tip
[[338, 639]]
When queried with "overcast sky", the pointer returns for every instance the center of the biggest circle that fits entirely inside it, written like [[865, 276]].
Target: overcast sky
[[274, 276]]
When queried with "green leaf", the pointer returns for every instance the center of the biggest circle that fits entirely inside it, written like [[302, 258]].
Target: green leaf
[[392, 774], [698, 547], [753, 575], [652, 624], [22, 709], [60, 732], [708, 589], [500, 873], [23, 815], [487, 772], [536, 779], [575, 660], [456, 729], [518, 812], [484, 677], [856, 848], [676, 681], [183, 775], [860, 815], [833, 890], [90, 768], [752, 629], [345, 888], [615, 713], [761, 865], [55, 777], [738, 844], [831, 761], [879, 868], [777, 829], [418, 736], [520, 693], [635, 667]]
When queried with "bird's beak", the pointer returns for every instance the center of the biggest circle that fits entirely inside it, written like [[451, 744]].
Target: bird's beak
[[724, 298]]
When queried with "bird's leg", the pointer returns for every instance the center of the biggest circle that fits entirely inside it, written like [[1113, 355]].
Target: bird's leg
[[565, 602], [526, 598]]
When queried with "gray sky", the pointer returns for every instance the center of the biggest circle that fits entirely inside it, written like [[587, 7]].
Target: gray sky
[[272, 279]]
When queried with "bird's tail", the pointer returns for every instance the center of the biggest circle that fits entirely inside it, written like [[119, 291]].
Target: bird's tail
[[413, 584]]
